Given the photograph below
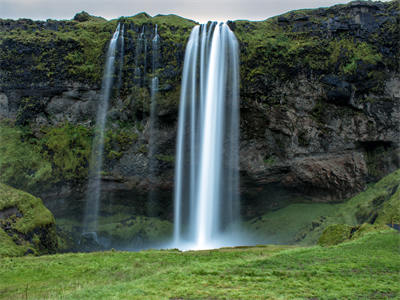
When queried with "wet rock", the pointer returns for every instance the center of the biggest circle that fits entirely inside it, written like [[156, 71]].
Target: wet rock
[[339, 91], [89, 242], [282, 19], [4, 113]]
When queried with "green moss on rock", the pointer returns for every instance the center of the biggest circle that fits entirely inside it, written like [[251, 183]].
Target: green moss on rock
[[21, 163], [390, 212], [335, 234], [68, 147], [26, 225], [61, 154]]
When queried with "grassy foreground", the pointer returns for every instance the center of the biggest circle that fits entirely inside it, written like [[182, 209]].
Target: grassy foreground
[[366, 268]]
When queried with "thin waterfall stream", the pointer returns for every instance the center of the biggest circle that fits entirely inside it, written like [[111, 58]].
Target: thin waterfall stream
[[152, 167], [138, 53], [96, 162], [121, 58]]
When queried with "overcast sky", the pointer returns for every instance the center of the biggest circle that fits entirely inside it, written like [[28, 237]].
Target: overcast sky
[[201, 11]]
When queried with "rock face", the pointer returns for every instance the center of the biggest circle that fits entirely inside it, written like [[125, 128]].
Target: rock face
[[26, 225], [320, 100]]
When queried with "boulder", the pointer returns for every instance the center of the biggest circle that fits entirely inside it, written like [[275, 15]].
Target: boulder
[[26, 225]]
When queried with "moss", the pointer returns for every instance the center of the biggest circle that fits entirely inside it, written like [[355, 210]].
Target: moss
[[366, 229], [31, 227], [165, 158], [79, 50], [369, 205], [143, 149], [21, 163], [68, 147], [35, 214], [390, 212], [118, 140], [270, 161], [339, 233], [346, 53], [62, 153], [273, 52], [28, 109], [335, 234], [9, 248]]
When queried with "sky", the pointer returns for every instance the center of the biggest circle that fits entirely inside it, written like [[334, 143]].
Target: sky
[[201, 11]]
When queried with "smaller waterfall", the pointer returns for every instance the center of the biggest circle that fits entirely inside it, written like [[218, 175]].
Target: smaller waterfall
[[96, 161], [144, 61], [153, 118], [139, 51], [121, 57]]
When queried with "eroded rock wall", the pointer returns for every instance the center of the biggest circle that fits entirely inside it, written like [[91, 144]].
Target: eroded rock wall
[[320, 101]]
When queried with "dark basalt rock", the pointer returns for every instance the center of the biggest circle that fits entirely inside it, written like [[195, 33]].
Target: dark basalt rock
[[89, 242], [283, 19], [82, 16], [339, 91]]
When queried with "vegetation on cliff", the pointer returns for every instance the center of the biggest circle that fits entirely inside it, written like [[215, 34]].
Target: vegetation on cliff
[[344, 40], [55, 51], [32, 163], [21, 164]]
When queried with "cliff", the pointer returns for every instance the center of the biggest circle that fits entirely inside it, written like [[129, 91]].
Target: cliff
[[320, 106]]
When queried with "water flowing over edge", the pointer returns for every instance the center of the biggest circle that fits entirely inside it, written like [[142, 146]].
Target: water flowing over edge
[[96, 163], [207, 161]]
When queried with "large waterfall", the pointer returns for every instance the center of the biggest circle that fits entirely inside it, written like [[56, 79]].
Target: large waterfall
[[96, 162], [206, 170]]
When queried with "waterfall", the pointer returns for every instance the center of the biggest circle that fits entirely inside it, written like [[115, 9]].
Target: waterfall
[[152, 168], [144, 61], [96, 162], [207, 159], [139, 48], [121, 57]]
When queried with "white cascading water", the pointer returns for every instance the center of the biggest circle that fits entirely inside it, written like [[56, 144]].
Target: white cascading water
[[207, 159], [139, 50], [121, 57], [153, 121], [96, 162]]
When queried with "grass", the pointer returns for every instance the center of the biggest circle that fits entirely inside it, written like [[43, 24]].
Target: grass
[[367, 268]]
